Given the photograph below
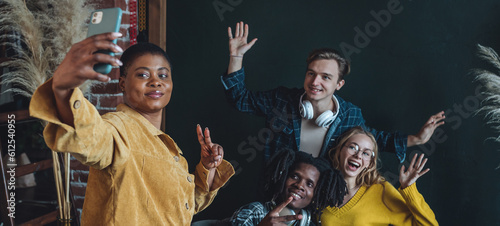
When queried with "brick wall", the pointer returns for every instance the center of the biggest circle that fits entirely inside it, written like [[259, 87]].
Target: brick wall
[[105, 97]]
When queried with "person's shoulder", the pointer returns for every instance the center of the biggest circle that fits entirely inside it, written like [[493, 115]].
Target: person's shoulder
[[384, 185], [250, 210], [344, 103], [254, 206]]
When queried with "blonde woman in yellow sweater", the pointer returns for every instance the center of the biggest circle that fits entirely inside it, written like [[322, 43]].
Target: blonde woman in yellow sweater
[[371, 200]]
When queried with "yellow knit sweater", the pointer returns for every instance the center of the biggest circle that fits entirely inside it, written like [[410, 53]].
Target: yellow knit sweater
[[382, 204]]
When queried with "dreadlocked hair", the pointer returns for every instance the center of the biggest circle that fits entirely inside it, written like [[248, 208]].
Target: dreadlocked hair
[[330, 188]]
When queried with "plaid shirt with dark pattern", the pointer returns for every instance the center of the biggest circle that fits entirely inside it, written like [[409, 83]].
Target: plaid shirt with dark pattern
[[280, 107], [253, 213]]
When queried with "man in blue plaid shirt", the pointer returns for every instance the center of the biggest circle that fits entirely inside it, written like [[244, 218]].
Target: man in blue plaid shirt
[[311, 118]]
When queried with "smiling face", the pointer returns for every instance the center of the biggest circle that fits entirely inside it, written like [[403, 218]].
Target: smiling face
[[147, 86], [322, 80], [351, 165], [300, 184]]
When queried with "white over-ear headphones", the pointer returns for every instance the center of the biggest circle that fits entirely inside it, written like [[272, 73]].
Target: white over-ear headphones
[[306, 111]]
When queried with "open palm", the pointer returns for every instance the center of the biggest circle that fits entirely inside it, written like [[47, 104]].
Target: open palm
[[238, 44], [415, 170]]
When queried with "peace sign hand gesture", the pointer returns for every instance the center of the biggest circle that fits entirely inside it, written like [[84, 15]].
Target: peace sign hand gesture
[[211, 153], [415, 170], [238, 45], [273, 217]]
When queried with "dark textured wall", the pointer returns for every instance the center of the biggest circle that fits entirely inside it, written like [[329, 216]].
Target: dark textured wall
[[404, 68]]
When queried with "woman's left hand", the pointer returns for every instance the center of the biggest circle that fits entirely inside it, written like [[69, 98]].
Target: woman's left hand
[[211, 154], [415, 170]]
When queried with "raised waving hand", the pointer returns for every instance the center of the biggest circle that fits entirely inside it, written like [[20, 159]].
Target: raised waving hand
[[238, 46], [415, 171]]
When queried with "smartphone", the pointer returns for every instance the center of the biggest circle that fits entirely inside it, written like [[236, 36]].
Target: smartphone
[[103, 21]]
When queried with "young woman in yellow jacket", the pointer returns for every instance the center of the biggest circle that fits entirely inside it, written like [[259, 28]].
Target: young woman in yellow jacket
[[371, 200], [138, 175]]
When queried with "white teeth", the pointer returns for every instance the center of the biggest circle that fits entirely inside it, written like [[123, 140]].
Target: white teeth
[[354, 163], [295, 195]]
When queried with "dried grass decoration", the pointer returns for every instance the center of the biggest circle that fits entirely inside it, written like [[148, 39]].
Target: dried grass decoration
[[490, 106], [39, 34]]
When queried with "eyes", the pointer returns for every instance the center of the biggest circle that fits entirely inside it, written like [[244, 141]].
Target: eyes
[[296, 177], [323, 76], [354, 149], [147, 75]]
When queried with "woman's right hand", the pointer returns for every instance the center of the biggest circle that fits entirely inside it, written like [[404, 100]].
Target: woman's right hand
[[238, 45], [78, 64]]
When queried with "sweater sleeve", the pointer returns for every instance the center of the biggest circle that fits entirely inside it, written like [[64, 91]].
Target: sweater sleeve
[[422, 212], [91, 140], [203, 195]]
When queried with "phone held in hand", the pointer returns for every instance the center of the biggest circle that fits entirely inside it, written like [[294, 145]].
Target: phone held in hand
[[103, 21]]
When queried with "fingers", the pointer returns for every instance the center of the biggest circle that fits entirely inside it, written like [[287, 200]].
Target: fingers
[[242, 26], [217, 153], [104, 42], [241, 31], [412, 163], [245, 35], [421, 165], [424, 172], [252, 42], [401, 171], [237, 30], [281, 206], [229, 33], [208, 140], [437, 119], [201, 139]]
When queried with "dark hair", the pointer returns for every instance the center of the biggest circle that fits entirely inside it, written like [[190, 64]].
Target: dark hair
[[137, 50], [330, 189], [330, 54]]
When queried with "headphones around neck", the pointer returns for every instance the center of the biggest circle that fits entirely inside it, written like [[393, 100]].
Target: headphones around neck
[[325, 119], [306, 217]]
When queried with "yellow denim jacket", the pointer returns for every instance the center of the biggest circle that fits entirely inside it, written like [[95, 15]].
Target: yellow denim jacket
[[138, 175]]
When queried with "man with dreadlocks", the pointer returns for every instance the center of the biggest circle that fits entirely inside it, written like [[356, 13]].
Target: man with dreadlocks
[[298, 186]]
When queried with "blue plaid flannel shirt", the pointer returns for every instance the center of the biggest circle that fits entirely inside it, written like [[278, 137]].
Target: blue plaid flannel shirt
[[280, 107], [253, 213]]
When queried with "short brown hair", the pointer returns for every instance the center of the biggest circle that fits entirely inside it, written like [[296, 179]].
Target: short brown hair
[[330, 54]]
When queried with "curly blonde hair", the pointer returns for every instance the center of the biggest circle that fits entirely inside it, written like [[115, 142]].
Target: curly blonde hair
[[369, 175]]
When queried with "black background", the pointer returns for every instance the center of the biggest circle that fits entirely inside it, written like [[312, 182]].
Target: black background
[[416, 65]]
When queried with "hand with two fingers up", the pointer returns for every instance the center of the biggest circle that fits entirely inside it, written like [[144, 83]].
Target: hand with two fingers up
[[274, 218], [211, 153]]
